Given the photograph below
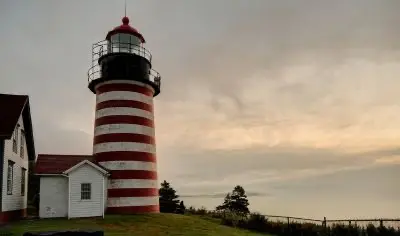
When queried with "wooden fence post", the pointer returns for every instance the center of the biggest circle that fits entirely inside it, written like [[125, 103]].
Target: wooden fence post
[[324, 230]]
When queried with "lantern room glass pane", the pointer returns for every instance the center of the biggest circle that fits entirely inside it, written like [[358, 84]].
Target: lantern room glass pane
[[124, 43], [113, 43], [135, 40]]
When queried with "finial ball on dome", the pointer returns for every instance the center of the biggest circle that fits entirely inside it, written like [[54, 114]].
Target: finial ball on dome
[[125, 20]]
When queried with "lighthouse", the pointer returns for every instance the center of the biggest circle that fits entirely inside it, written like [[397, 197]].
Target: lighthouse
[[122, 77]]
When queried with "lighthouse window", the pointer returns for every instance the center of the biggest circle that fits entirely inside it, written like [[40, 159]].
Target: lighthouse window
[[135, 40], [115, 43], [125, 42]]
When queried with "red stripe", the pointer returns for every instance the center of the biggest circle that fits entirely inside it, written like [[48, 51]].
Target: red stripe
[[125, 156], [133, 209], [124, 103], [136, 120], [133, 192], [124, 87], [133, 174], [124, 137]]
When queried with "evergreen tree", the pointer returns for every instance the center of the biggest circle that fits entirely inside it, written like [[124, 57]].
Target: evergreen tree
[[226, 204], [169, 202], [181, 209], [235, 202]]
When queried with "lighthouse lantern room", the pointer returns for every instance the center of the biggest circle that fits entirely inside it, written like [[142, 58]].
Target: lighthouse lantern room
[[124, 82], [122, 55]]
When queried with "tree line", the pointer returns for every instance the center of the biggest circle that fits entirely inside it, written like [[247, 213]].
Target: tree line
[[234, 212], [235, 202]]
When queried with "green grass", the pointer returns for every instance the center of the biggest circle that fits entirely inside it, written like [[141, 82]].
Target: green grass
[[148, 224]]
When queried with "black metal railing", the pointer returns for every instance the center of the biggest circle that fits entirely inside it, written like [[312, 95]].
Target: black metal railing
[[94, 73], [105, 47]]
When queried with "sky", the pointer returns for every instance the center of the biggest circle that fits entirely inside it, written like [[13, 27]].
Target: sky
[[297, 101]]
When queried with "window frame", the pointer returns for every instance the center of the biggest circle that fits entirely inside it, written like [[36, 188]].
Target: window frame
[[86, 193], [15, 139], [10, 177], [23, 181], [119, 41], [22, 144]]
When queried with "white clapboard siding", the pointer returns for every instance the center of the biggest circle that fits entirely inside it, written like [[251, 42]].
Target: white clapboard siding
[[86, 208], [15, 201], [53, 196]]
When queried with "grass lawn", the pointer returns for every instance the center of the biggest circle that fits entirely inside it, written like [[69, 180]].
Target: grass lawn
[[149, 224]]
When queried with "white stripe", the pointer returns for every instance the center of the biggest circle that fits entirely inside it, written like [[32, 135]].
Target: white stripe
[[124, 129], [124, 146], [125, 82], [132, 183], [132, 201], [129, 165], [124, 111], [124, 95]]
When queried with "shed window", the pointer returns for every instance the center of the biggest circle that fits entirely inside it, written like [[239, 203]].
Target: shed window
[[86, 191], [10, 176]]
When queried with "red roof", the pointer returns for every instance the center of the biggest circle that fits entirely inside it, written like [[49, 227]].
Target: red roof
[[57, 164], [13, 106], [125, 28]]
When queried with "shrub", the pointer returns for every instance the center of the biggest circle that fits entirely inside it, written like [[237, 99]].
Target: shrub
[[202, 211], [257, 222]]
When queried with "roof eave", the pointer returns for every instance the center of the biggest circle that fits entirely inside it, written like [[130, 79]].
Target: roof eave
[[27, 118], [5, 136], [59, 174], [102, 170], [121, 31]]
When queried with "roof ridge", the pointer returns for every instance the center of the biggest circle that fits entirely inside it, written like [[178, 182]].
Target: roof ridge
[[58, 163]]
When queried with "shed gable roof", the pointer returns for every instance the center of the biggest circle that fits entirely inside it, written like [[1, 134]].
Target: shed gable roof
[[58, 164], [15, 106], [87, 162]]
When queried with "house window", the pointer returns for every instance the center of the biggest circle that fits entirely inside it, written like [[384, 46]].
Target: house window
[[23, 176], [86, 191], [10, 176], [14, 140], [22, 145]]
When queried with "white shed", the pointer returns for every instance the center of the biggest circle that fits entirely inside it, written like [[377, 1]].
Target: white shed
[[71, 186]]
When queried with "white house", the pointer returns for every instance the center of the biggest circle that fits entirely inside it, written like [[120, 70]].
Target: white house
[[16, 150], [71, 186]]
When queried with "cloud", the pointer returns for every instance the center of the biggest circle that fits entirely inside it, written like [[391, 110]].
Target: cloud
[[213, 171], [51, 138]]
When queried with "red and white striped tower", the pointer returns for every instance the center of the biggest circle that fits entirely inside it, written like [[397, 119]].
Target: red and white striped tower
[[124, 139]]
